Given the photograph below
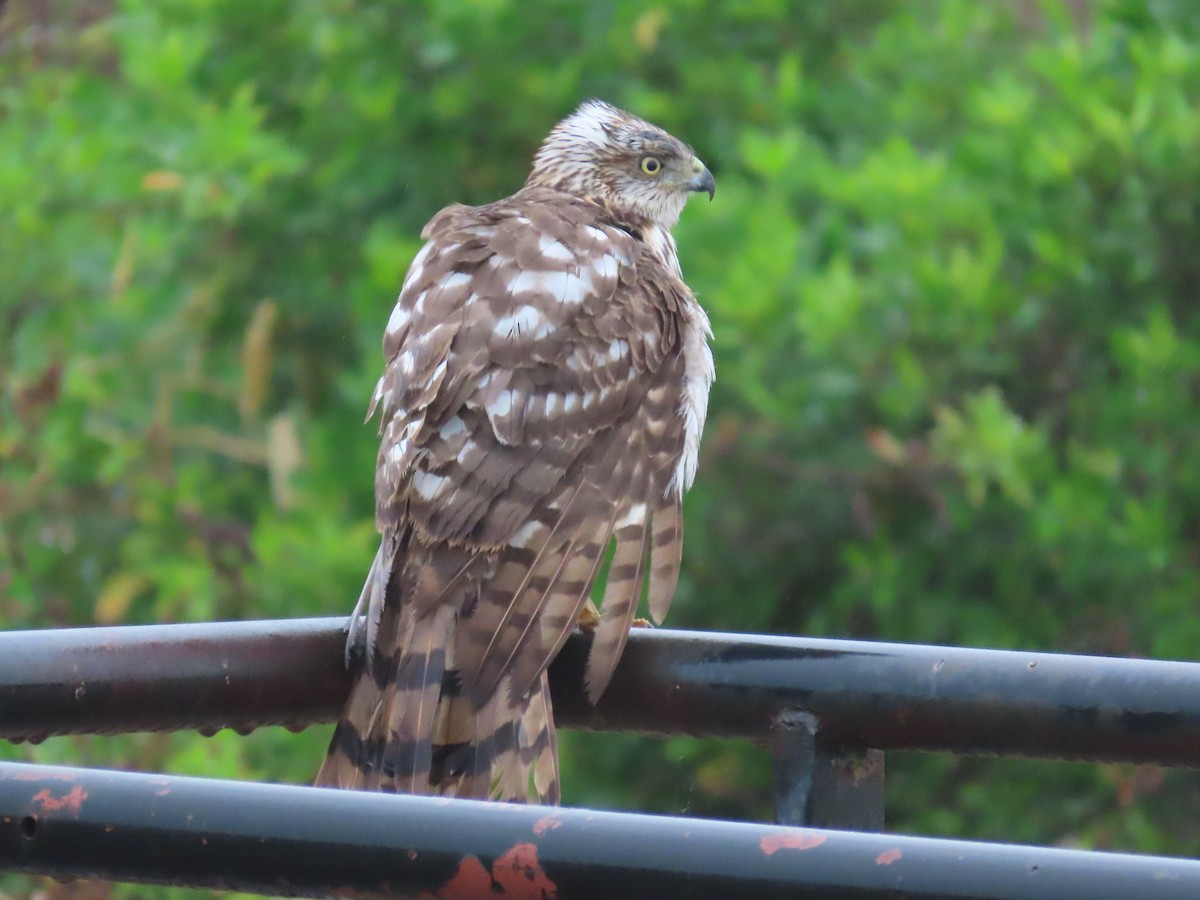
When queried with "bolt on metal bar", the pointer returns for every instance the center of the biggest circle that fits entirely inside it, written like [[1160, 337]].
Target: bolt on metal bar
[[311, 842], [865, 695]]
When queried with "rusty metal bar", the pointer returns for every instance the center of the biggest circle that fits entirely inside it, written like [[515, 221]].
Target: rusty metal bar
[[863, 695], [299, 841]]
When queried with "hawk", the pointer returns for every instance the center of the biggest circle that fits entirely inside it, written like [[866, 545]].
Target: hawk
[[546, 384]]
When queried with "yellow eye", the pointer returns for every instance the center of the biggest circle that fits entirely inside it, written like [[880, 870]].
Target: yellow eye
[[651, 165]]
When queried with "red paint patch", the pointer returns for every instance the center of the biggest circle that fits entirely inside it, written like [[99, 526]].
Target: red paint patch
[[519, 875], [546, 823], [516, 875], [887, 857], [162, 792], [471, 880], [791, 840], [72, 801]]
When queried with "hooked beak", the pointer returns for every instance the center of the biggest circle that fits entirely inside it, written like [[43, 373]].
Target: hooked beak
[[701, 179]]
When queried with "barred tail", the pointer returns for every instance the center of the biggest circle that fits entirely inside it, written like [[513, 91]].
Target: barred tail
[[410, 728]]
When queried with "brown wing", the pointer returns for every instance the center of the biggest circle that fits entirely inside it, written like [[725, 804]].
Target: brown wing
[[531, 414]]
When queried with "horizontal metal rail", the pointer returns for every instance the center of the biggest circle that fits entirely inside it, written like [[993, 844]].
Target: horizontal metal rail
[[860, 695], [312, 842]]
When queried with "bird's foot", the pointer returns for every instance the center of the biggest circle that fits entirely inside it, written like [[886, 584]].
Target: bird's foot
[[589, 616]]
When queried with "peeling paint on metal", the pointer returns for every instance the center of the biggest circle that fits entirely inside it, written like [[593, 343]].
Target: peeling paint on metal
[[791, 840], [887, 857], [72, 801], [546, 823], [41, 775]]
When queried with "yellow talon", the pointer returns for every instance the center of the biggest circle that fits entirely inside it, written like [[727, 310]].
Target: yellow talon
[[589, 616]]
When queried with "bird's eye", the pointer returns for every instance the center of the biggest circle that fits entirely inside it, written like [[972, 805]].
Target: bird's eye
[[651, 165]]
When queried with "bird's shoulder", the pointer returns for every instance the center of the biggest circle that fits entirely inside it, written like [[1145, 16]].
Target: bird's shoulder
[[539, 222]]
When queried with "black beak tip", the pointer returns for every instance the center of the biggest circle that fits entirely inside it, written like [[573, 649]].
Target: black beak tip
[[704, 182]]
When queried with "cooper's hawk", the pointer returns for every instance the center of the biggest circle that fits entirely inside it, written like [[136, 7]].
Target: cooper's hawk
[[546, 385]]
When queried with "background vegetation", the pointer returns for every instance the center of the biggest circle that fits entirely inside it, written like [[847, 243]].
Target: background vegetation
[[952, 269]]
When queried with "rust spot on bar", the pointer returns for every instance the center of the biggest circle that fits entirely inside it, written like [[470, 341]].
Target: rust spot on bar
[[887, 857], [791, 840], [72, 801], [546, 823], [517, 875]]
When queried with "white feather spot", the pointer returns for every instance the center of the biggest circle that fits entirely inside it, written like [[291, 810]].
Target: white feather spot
[[600, 240], [526, 532], [397, 451], [521, 322], [427, 485], [530, 281], [454, 280], [606, 267], [553, 249], [552, 404], [562, 286], [617, 349], [439, 372], [405, 363], [398, 320], [635, 516], [571, 404], [697, 379], [452, 429], [417, 267], [501, 406]]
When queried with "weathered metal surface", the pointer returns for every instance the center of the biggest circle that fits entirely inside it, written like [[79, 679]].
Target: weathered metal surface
[[864, 695], [823, 786], [312, 842]]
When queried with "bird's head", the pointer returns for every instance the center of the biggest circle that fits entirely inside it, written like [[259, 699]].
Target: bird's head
[[604, 153]]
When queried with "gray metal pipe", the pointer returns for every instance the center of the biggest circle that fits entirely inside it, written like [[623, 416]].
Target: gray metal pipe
[[863, 695], [313, 842]]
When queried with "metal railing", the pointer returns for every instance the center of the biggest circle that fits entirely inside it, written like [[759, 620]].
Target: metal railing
[[827, 709]]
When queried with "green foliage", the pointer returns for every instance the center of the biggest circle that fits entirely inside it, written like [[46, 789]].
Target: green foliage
[[950, 268]]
